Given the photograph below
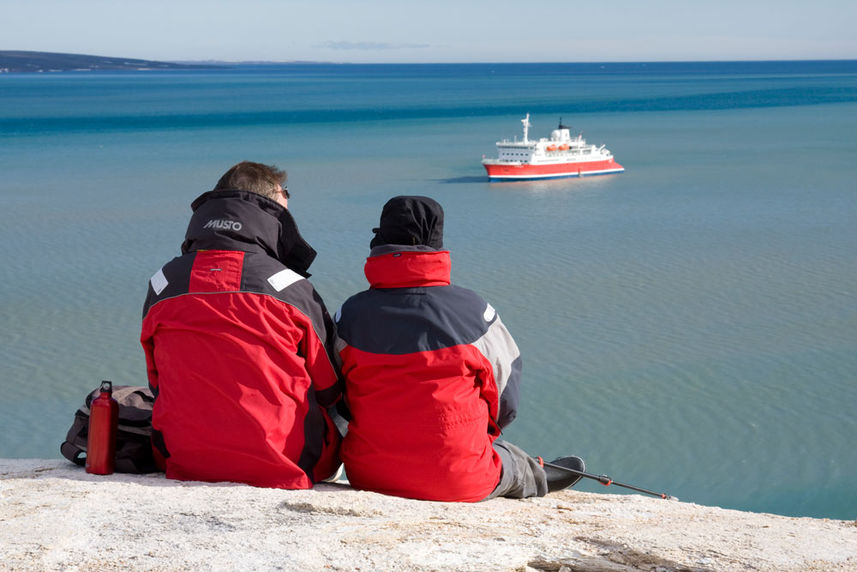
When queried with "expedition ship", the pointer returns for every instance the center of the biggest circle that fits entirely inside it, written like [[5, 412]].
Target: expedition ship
[[559, 156]]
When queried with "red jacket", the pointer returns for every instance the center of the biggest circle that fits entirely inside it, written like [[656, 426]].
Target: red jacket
[[431, 374], [237, 348]]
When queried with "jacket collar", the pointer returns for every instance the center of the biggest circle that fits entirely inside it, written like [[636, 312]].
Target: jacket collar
[[241, 220], [403, 267]]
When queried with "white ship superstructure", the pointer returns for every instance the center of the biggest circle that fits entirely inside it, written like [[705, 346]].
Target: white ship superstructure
[[561, 155]]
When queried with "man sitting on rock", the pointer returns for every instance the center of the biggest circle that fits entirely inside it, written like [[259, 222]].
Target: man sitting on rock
[[239, 345], [431, 375]]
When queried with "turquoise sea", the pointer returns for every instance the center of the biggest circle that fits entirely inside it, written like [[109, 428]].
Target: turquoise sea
[[688, 326]]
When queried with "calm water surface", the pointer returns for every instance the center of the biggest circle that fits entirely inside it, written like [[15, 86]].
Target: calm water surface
[[688, 326]]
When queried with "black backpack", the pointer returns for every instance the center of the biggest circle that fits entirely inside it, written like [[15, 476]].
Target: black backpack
[[133, 436]]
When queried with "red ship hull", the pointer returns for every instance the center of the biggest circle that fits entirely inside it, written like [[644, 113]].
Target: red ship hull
[[523, 171]]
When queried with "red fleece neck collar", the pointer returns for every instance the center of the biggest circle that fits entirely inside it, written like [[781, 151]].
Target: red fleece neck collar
[[406, 269]]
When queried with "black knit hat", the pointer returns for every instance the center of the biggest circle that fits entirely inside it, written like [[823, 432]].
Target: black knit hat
[[410, 221]]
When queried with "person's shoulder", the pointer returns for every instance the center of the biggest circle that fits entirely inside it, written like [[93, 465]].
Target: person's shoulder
[[263, 274], [265, 268], [284, 277], [357, 300], [463, 295]]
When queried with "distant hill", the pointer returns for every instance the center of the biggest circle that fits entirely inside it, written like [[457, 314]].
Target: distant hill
[[20, 61]]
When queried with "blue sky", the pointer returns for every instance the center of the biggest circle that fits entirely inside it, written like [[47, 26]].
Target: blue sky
[[435, 30]]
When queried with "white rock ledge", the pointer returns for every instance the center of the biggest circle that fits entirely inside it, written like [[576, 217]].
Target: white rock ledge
[[55, 516]]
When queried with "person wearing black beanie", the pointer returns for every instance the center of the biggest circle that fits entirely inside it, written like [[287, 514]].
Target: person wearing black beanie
[[431, 375]]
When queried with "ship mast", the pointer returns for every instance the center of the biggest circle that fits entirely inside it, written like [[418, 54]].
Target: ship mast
[[526, 122]]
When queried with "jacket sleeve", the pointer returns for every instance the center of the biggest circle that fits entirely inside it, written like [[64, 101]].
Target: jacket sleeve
[[147, 341], [322, 361], [503, 354], [170, 280], [151, 369]]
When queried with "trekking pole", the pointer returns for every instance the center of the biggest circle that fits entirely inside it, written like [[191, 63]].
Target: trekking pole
[[607, 481]]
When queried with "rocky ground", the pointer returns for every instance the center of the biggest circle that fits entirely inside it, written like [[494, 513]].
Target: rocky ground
[[55, 516]]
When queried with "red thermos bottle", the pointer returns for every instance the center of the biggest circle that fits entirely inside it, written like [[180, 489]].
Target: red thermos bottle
[[101, 442]]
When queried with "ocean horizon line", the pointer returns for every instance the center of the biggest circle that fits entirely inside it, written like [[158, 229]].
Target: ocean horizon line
[[22, 61], [495, 62]]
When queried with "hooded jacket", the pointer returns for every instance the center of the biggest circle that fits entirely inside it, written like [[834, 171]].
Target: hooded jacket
[[431, 375], [238, 348]]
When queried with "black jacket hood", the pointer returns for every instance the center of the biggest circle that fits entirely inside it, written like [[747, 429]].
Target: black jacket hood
[[246, 221]]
